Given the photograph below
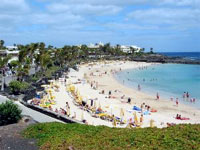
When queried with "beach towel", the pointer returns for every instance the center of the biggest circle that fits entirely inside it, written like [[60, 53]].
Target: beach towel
[[183, 118], [137, 108], [153, 110], [146, 113]]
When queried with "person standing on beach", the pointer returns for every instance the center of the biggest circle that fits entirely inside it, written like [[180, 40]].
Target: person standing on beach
[[177, 102], [139, 88], [109, 93], [184, 95], [157, 96], [97, 85], [187, 95], [129, 100], [171, 98]]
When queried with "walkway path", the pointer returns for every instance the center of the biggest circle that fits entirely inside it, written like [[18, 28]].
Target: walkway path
[[37, 116]]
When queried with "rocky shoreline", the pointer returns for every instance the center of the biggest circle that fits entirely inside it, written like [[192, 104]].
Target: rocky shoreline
[[158, 58]]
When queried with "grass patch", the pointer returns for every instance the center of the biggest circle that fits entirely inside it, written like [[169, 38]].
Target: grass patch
[[58, 136]]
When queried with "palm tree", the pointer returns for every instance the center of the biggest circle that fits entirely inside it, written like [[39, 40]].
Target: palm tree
[[45, 61], [1, 44], [117, 50], [3, 63], [142, 50], [85, 52], [22, 71], [151, 50], [133, 50]]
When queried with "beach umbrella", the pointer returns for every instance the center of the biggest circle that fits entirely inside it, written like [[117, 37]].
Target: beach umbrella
[[78, 93], [80, 98], [152, 123], [114, 122], [68, 111], [50, 90], [72, 88]]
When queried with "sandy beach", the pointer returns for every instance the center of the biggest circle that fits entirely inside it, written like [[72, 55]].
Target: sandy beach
[[95, 82], [167, 110]]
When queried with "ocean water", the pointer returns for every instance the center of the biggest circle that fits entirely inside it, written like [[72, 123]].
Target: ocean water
[[188, 55], [170, 80]]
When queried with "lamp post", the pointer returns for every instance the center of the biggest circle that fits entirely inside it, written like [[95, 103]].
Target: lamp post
[[3, 80]]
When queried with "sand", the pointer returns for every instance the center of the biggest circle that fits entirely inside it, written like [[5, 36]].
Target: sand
[[167, 109]]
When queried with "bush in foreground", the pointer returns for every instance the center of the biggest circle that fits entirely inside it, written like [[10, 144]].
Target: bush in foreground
[[16, 86], [9, 113], [62, 136]]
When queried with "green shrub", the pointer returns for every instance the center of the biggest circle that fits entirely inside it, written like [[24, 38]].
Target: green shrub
[[50, 71], [34, 79], [16, 86], [14, 63], [9, 113], [60, 136]]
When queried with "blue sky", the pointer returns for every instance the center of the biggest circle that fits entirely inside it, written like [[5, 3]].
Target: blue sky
[[165, 25]]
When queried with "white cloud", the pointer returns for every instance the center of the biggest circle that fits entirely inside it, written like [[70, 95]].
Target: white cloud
[[57, 19], [84, 21], [127, 2], [13, 6], [194, 3], [173, 16], [84, 9], [12, 12], [129, 26], [101, 2]]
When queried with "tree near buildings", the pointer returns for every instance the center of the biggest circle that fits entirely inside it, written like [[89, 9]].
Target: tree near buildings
[[133, 50], [3, 63], [1, 44], [151, 50]]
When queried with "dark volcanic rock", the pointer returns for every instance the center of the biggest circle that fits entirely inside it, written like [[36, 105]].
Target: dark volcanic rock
[[11, 138], [163, 59], [29, 94]]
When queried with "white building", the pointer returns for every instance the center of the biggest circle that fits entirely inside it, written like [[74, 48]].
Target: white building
[[11, 47], [14, 54], [137, 49], [95, 46], [127, 49]]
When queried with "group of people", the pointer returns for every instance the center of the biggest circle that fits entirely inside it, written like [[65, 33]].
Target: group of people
[[144, 107], [186, 96]]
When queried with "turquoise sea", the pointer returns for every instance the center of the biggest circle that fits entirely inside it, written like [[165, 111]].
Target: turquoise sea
[[170, 80]]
